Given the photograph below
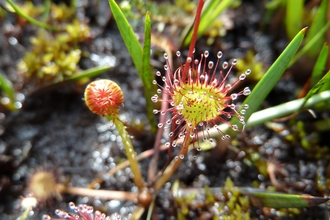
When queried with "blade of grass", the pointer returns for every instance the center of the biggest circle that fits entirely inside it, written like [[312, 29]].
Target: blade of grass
[[30, 19], [132, 43], [274, 73], [325, 87], [134, 47], [148, 77], [311, 43], [7, 87], [264, 198], [279, 111], [88, 73], [271, 77], [316, 88], [274, 4], [320, 65], [211, 11], [258, 197], [318, 23], [45, 15], [294, 15], [285, 109]]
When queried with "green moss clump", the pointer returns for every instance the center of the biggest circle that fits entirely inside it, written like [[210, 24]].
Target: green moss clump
[[251, 62], [215, 203], [55, 55]]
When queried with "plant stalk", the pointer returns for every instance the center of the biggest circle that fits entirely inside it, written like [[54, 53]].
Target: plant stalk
[[103, 194], [30, 19], [175, 163], [194, 36], [130, 152]]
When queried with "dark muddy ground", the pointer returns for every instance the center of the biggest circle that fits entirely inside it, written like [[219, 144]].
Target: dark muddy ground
[[54, 129]]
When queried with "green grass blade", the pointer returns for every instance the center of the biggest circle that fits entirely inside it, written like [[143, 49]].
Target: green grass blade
[[258, 197], [88, 73], [132, 43], [320, 65], [140, 57], [264, 198], [274, 73], [317, 87], [294, 15], [30, 19], [7, 87], [311, 43], [318, 23], [45, 14], [271, 77], [211, 11], [325, 87], [147, 76], [285, 109]]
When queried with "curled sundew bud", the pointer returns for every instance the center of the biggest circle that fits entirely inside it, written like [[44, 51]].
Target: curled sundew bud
[[43, 185], [82, 212], [199, 97], [104, 97]]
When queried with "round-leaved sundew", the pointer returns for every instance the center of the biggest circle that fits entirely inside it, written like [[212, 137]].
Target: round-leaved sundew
[[199, 97], [81, 212], [104, 97]]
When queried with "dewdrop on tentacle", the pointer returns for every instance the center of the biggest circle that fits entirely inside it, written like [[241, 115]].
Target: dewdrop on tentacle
[[200, 98], [81, 212], [104, 97]]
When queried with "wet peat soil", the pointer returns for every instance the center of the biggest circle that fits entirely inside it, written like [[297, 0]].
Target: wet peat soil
[[54, 130]]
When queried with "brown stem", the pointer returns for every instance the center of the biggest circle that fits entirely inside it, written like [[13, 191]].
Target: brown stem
[[138, 212], [103, 194], [173, 166]]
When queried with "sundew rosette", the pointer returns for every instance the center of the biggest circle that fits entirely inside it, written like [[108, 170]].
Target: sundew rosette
[[199, 97], [81, 212]]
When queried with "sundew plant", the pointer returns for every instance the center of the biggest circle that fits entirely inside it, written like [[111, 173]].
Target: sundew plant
[[196, 100], [197, 106], [199, 98]]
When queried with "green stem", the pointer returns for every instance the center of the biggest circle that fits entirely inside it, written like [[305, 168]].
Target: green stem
[[7, 87], [310, 44], [47, 5], [275, 112], [130, 153], [30, 19], [285, 109], [25, 214]]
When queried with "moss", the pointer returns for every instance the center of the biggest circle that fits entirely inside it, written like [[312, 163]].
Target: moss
[[55, 55], [251, 62], [231, 204]]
